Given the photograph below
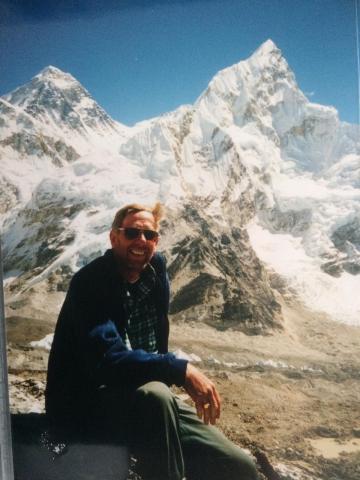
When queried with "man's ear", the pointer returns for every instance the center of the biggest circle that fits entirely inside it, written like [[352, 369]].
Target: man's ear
[[112, 237]]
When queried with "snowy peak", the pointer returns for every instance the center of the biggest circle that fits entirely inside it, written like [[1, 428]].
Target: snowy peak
[[57, 98], [54, 74], [44, 88], [261, 95], [267, 48], [260, 90], [267, 64], [269, 55]]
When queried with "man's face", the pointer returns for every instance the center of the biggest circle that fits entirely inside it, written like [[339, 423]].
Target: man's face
[[134, 254]]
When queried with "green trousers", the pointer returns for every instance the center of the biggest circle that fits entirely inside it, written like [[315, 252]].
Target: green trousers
[[173, 443]]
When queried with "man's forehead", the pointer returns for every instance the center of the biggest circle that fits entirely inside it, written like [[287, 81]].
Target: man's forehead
[[139, 217]]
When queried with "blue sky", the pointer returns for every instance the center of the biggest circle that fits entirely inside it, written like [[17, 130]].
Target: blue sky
[[141, 58]]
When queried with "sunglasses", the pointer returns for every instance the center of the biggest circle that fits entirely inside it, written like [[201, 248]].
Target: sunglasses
[[131, 233]]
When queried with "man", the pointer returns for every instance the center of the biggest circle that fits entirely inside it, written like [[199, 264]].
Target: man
[[110, 370]]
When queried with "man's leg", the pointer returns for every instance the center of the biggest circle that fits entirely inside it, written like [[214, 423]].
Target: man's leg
[[155, 422], [168, 434], [208, 454]]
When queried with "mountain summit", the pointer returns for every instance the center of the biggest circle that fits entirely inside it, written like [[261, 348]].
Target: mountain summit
[[261, 185], [57, 98]]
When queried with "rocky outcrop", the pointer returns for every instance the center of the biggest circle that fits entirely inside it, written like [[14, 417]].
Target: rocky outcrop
[[217, 278], [9, 195], [27, 144], [295, 222], [47, 237], [346, 239]]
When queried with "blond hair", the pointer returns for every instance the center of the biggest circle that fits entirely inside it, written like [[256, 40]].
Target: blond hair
[[156, 210]]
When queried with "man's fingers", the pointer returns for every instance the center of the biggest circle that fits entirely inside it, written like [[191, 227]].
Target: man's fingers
[[214, 414], [217, 402], [199, 409], [214, 407], [207, 413], [204, 412], [208, 406]]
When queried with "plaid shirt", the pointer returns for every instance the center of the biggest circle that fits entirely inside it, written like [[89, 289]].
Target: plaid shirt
[[141, 313]]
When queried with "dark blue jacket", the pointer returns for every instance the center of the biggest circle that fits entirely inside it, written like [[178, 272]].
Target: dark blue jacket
[[88, 350]]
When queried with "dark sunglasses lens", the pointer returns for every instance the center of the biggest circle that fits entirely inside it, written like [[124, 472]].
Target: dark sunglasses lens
[[150, 234], [131, 233]]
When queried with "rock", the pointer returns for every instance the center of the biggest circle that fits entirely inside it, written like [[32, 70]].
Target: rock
[[324, 431], [289, 221], [265, 466]]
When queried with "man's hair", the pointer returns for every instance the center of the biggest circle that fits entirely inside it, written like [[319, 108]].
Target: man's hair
[[156, 210]]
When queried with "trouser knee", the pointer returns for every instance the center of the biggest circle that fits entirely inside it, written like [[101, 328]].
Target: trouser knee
[[209, 455], [154, 396], [155, 393]]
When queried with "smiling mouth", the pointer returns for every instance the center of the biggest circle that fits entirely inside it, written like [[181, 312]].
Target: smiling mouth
[[138, 253]]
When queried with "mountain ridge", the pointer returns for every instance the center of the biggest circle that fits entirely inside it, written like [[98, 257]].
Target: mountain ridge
[[227, 162]]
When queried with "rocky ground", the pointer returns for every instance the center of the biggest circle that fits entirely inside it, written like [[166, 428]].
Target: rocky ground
[[293, 395]]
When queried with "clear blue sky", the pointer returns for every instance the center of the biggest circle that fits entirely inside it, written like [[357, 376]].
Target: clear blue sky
[[141, 58]]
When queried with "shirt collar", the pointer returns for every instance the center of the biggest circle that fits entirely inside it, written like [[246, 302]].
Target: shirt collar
[[145, 283]]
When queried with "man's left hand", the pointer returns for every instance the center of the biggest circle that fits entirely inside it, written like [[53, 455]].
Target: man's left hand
[[204, 393]]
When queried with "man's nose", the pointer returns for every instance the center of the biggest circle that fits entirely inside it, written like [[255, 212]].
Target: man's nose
[[142, 237]]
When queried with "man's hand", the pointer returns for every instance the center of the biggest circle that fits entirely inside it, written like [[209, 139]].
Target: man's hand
[[204, 393]]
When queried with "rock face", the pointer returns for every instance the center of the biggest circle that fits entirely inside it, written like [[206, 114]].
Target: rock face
[[251, 150], [217, 278]]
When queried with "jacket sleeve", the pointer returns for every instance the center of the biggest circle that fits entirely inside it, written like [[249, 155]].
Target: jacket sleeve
[[101, 352], [117, 364]]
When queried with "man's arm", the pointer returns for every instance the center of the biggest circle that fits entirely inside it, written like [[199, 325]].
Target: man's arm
[[136, 367], [115, 364]]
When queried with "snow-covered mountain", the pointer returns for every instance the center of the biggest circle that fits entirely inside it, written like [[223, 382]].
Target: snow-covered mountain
[[58, 100], [262, 189]]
